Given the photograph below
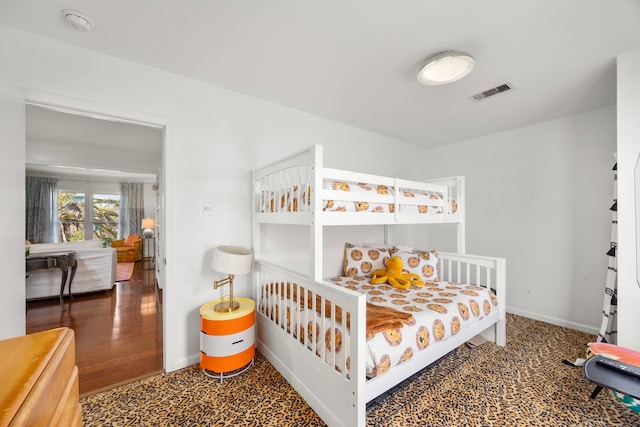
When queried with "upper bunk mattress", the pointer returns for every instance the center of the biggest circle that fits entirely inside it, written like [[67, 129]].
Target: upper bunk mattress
[[360, 197], [415, 201]]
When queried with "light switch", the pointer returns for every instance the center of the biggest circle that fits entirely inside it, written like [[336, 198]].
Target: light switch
[[206, 208]]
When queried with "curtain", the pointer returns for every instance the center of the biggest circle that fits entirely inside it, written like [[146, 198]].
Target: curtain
[[131, 208], [609, 327], [41, 209]]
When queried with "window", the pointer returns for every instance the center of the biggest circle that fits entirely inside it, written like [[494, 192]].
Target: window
[[71, 208], [80, 212], [106, 208]]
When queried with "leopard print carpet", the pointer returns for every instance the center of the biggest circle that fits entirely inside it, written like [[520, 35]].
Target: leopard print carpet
[[523, 384]]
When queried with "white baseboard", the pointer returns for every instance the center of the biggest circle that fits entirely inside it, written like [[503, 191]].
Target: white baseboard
[[554, 321], [187, 361]]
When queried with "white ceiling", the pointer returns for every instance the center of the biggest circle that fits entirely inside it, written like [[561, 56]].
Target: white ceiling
[[355, 61]]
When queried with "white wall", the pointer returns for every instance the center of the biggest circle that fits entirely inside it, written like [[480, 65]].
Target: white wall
[[628, 68], [540, 196], [12, 298], [214, 138], [553, 228]]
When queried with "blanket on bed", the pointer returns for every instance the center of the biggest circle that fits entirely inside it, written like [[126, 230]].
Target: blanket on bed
[[379, 318]]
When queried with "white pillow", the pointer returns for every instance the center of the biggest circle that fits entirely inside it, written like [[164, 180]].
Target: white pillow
[[424, 264], [361, 261]]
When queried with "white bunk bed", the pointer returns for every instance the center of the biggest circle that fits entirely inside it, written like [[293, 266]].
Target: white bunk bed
[[333, 378]]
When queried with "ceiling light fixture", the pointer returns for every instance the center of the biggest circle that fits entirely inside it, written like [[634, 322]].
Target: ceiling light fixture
[[76, 20], [446, 67]]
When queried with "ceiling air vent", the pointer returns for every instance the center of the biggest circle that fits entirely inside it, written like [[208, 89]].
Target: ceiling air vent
[[490, 92]]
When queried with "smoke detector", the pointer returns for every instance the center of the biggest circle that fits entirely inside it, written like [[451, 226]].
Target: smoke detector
[[77, 20]]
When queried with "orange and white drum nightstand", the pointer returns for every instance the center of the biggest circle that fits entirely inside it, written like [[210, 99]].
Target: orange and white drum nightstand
[[227, 340]]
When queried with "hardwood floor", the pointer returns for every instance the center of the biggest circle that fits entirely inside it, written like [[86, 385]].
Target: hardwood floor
[[118, 332]]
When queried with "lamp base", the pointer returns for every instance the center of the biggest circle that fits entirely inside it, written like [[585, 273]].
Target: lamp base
[[226, 306]]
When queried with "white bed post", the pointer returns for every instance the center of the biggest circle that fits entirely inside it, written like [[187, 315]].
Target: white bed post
[[501, 288], [255, 233], [461, 239], [316, 229], [462, 248]]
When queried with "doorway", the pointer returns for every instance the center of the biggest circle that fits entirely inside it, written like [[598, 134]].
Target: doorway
[[92, 153]]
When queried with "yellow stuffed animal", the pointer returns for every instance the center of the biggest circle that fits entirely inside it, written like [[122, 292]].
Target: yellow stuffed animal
[[394, 275]]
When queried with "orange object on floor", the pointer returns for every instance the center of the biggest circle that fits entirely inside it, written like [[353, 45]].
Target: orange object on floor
[[129, 249], [614, 352], [227, 340]]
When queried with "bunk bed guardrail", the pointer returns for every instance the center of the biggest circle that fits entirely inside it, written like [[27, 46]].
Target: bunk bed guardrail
[[291, 190], [299, 353]]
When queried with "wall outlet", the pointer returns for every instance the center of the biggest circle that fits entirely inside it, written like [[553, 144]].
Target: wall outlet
[[206, 208]]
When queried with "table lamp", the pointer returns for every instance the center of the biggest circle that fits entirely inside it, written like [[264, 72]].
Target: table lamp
[[230, 260], [148, 224]]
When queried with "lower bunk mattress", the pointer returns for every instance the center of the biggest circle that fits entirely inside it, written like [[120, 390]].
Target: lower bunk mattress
[[425, 317]]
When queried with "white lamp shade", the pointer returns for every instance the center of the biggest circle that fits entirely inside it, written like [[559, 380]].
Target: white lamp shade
[[148, 223], [232, 260]]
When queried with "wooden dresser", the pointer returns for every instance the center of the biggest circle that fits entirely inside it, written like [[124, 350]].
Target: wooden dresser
[[39, 380]]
